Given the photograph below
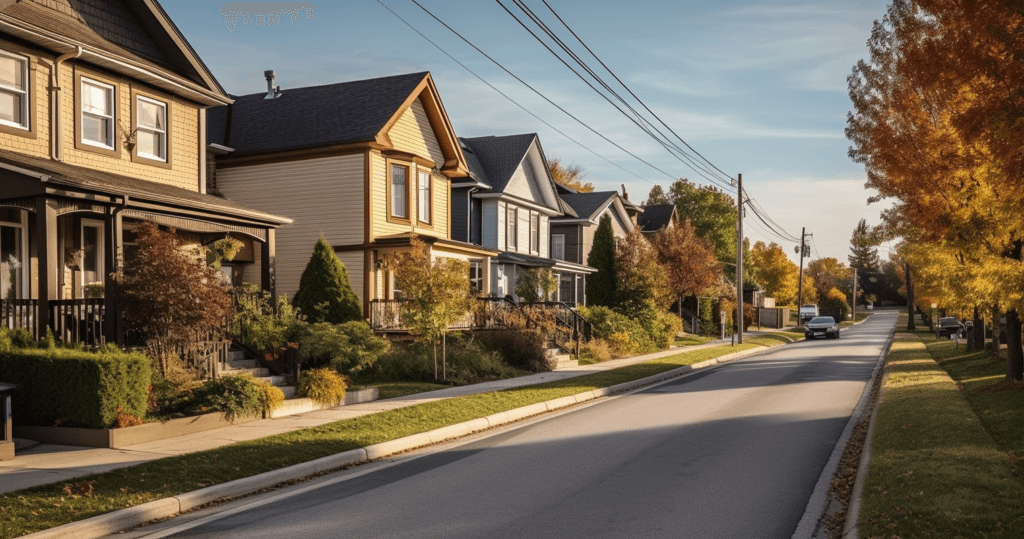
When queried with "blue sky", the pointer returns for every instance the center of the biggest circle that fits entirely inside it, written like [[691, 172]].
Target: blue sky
[[758, 87]]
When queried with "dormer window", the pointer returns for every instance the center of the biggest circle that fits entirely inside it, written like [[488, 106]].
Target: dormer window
[[14, 90], [97, 114]]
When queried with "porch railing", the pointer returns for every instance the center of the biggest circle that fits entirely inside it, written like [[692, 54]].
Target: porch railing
[[386, 315], [20, 314], [78, 321]]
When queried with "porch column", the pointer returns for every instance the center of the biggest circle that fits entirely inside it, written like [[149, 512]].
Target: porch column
[[46, 251], [268, 266], [114, 251]]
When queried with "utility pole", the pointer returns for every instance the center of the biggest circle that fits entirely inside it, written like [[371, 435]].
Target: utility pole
[[800, 278], [853, 312], [739, 259]]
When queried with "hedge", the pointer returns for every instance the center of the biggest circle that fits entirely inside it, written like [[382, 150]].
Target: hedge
[[75, 388]]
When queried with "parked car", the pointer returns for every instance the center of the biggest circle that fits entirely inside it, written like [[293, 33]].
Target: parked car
[[949, 326], [824, 326], [808, 312]]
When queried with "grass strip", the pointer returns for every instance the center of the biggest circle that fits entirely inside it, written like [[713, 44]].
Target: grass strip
[[935, 471], [46, 506], [391, 390]]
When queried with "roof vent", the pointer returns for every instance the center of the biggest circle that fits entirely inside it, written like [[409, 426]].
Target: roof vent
[[273, 92]]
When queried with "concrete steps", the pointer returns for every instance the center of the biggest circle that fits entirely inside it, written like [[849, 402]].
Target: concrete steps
[[560, 360]]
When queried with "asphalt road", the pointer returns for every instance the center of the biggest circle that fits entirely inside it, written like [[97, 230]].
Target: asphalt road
[[732, 452]]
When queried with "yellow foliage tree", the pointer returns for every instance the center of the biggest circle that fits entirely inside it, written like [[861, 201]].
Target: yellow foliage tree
[[775, 272]]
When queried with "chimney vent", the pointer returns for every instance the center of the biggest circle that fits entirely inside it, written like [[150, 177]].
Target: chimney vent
[[273, 92]]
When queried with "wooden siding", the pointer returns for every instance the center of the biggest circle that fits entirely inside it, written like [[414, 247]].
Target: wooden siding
[[491, 223], [524, 183], [323, 196], [353, 261], [413, 133]]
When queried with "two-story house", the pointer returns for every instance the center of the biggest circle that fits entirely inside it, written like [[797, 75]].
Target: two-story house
[[507, 204], [368, 164], [102, 125], [573, 236]]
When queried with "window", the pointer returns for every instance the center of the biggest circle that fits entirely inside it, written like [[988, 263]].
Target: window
[[151, 128], [511, 228], [476, 277], [425, 202], [558, 246], [92, 255], [14, 96], [534, 232], [97, 114], [12, 254], [399, 191]]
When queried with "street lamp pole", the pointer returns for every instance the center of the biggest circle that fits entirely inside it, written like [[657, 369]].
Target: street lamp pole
[[739, 259]]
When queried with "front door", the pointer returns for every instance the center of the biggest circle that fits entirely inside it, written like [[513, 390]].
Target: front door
[[91, 276], [12, 254]]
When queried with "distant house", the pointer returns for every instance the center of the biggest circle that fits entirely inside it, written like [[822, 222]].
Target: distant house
[[573, 237], [368, 164], [102, 126], [507, 204], [657, 217]]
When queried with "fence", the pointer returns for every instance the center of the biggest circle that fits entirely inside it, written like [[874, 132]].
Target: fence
[[20, 314], [773, 317], [78, 321]]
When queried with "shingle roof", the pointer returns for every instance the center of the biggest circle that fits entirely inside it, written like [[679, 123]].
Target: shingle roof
[[587, 204], [655, 217], [312, 116], [499, 156], [61, 173]]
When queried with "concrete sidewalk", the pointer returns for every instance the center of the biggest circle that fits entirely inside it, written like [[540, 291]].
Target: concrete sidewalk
[[44, 463]]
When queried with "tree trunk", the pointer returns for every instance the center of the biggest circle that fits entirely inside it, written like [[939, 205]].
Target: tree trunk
[[997, 334], [444, 356], [1014, 350], [978, 330], [910, 298], [435, 360]]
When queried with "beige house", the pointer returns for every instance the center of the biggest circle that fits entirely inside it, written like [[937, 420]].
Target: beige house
[[102, 125], [367, 164]]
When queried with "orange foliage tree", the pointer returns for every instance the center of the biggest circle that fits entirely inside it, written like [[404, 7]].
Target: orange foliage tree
[[691, 267]]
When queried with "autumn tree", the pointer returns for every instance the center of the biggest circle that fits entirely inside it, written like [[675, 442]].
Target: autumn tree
[[690, 264], [642, 288], [569, 175], [169, 296], [713, 214], [775, 272], [863, 255], [657, 197], [435, 293], [936, 123], [829, 273], [602, 287]]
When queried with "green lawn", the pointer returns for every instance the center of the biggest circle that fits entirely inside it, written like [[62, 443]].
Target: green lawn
[[47, 506], [936, 470], [691, 340], [391, 390]]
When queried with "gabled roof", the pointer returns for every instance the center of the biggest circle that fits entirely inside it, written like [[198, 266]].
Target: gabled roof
[[499, 157], [587, 205], [656, 217], [126, 36], [343, 113]]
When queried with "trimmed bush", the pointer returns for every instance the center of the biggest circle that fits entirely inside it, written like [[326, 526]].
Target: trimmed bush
[[325, 294], [624, 335], [272, 397], [595, 351], [347, 348], [664, 329], [468, 362], [75, 388], [520, 349], [235, 395], [323, 386]]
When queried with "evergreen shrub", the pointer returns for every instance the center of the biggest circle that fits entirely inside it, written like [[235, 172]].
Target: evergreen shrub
[[323, 386], [325, 294], [520, 349]]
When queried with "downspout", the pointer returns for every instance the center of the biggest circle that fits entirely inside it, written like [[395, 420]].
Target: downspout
[[469, 215], [55, 142]]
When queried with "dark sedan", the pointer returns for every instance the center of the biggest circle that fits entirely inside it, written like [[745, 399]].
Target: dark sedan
[[824, 326]]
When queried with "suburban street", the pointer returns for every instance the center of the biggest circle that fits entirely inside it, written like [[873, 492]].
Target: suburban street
[[730, 452]]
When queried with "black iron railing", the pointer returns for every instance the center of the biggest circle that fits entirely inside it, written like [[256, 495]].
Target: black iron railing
[[78, 321], [20, 314]]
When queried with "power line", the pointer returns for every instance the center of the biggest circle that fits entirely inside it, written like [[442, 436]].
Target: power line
[[438, 47], [524, 83], [612, 73], [636, 117]]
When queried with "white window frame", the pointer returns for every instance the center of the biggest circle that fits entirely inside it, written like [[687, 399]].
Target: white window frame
[[558, 242], [534, 232], [424, 202], [100, 253], [25, 95], [476, 277], [511, 228], [113, 116], [22, 226], [161, 132]]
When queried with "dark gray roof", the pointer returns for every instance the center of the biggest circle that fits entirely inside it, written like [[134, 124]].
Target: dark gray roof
[[498, 157], [312, 116], [655, 217], [61, 173], [587, 204]]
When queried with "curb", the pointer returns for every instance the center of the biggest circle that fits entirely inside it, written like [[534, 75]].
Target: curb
[[818, 501], [850, 528], [124, 519]]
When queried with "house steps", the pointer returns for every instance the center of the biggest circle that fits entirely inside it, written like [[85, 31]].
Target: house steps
[[559, 359]]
